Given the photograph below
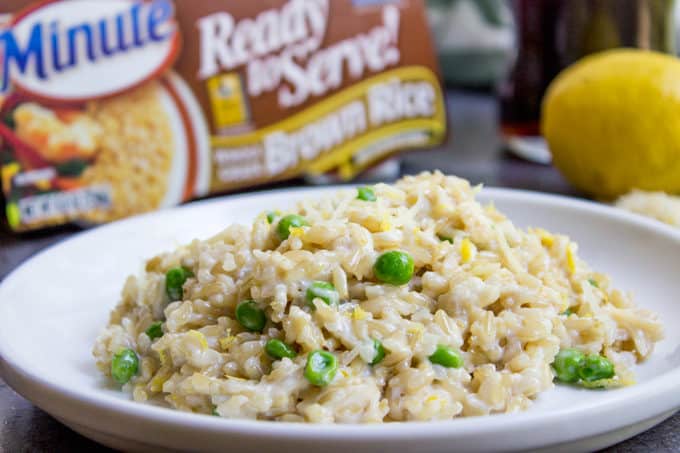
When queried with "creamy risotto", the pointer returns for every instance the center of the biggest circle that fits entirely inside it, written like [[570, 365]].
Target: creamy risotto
[[658, 205], [396, 302]]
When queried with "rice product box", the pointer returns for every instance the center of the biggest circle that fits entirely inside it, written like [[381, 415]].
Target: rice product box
[[110, 108]]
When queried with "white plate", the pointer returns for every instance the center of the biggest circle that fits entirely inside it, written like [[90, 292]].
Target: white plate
[[53, 306]]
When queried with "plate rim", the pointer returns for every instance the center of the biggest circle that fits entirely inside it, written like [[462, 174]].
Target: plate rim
[[651, 398]]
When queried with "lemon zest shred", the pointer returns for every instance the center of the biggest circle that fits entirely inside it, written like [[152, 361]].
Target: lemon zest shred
[[202, 341], [415, 332], [156, 383], [547, 239], [297, 232], [225, 342], [466, 250], [163, 355], [440, 208], [571, 260], [359, 314], [371, 224], [431, 398]]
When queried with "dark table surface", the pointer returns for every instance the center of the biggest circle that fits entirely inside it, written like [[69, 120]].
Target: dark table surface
[[473, 152]]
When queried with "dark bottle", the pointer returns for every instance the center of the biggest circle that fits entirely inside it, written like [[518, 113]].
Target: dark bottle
[[552, 34]]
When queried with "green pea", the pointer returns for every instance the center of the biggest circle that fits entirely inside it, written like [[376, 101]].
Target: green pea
[[124, 365], [446, 357], [277, 349], [395, 267], [445, 238], [174, 281], [250, 316], [272, 215], [321, 368], [567, 364], [324, 291], [155, 330], [595, 367], [288, 222], [379, 352], [366, 194]]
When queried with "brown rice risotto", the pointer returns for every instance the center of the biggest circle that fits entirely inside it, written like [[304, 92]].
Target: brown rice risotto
[[657, 205], [396, 302]]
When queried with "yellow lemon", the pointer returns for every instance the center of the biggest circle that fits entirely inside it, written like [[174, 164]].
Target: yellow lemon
[[612, 122]]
